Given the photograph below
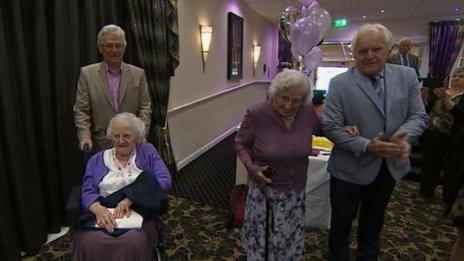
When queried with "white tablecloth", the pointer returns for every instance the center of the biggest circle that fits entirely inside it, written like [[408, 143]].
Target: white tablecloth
[[317, 203]]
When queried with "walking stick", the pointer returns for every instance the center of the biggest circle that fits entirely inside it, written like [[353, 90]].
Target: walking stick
[[266, 234], [268, 173]]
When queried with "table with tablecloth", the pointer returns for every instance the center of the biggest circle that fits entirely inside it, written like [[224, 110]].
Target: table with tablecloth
[[317, 198]]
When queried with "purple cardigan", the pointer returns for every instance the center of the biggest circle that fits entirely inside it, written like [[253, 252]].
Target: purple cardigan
[[263, 139], [147, 159]]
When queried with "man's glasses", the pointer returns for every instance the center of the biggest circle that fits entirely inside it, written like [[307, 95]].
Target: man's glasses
[[110, 46]]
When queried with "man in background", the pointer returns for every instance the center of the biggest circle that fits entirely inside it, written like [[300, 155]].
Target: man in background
[[107, 88], [317, 102], [404, 57]]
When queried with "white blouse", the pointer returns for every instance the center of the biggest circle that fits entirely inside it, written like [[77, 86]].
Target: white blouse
[[118, 176]]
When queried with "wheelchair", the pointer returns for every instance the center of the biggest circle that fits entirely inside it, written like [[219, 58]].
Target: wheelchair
[[73, 210]]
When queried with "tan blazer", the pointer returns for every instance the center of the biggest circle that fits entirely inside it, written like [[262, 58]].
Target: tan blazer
[[94, 107]]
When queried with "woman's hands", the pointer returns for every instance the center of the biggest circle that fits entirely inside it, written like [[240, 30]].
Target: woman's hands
[[104, 217], [440, 93], [444, 98], [122, 209], [262, 178], [353, 130]]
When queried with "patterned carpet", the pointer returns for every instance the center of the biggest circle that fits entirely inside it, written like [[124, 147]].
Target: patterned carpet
[[210, 177], [412, 232], [196, 220]]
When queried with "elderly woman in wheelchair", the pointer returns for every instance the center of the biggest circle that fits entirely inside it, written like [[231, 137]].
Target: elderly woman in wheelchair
[[126, 181]]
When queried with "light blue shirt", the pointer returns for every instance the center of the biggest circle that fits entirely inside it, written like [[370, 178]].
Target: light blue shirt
[[404, 59]]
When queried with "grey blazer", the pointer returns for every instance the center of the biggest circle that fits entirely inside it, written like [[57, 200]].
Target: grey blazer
[[413, 60], [351, 100], [93, 108]]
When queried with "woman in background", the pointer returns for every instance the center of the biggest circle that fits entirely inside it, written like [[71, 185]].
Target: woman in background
[[453, 163], [446, 109], [318, 104], [275, 137]]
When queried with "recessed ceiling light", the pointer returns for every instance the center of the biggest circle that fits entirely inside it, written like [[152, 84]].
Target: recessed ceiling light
[[457, 9], [355, 17], [382, 11], [364, 16]]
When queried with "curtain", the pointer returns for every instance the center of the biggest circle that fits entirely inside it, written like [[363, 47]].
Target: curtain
[[154, 23], [446, 39], [43, 43]]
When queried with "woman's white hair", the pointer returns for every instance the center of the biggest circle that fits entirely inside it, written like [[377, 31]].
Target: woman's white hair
[[137, 125], [288, 79], [112, 30], [367, 29]]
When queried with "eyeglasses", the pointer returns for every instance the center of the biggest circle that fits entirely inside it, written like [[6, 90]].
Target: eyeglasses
[[110, 46], [124, 137], [286, 99], [374, 50]]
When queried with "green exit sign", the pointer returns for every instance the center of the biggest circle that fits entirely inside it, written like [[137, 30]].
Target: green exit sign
[[339, 23]]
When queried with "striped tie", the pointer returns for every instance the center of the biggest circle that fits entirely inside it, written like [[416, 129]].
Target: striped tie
[[405, 60], [379, 89]]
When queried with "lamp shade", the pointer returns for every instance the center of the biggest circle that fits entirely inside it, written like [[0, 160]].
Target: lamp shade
[[256, 53], [205, 32]]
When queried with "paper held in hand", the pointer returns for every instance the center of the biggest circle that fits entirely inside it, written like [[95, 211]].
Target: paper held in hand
[[133, 221]]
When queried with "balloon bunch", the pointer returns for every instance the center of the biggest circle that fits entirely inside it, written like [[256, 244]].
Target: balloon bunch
[[305, 28]]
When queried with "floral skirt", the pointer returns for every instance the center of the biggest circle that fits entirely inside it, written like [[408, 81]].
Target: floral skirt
[[286, 224]]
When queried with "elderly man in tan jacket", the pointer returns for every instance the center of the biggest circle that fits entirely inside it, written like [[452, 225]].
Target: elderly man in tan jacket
[[107, 88]]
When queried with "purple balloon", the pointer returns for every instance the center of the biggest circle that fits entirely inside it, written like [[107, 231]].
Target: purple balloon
[[310, 7], [304, 35], [319, 16], [295, 54], [306, 2], [312, 59]]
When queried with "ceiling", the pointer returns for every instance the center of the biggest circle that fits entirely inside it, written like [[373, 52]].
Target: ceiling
[[354, 10]]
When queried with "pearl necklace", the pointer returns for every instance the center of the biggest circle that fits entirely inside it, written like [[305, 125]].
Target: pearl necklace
[[289, 118], [122, 168]]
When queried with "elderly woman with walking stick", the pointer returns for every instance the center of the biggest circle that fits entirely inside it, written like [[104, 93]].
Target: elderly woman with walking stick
[[274, 142]]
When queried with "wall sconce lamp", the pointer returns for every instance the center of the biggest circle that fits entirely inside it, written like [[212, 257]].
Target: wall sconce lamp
[[205, 35], [256, 52]]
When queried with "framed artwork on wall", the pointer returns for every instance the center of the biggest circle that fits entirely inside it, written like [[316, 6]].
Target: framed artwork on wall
[[234, 46]]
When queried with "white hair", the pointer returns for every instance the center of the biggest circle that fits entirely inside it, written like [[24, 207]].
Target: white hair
[[136, 123], [366, 29], [289, 79], [406, 40], [112, 30]]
